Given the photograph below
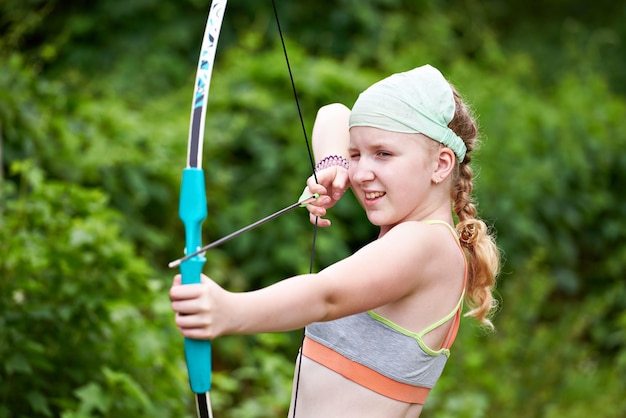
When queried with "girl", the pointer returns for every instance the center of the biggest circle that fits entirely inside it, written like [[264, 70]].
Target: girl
[[380, 323]]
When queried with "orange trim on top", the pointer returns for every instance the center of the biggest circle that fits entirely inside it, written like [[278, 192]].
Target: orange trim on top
[[452, 331], [454, 328], [363, 375]]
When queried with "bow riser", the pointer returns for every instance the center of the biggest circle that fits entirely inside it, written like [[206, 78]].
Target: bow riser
[[193, 211]]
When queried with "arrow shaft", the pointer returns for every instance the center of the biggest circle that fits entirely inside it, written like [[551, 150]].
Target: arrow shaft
[[232, 235]]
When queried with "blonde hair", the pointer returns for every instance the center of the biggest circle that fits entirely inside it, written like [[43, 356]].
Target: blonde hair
[[476, 238]]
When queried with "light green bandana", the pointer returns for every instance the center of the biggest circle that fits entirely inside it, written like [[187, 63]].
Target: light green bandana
[[416, 101]]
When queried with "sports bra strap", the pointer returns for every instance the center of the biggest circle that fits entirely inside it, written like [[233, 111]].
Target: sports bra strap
[[456, 313], [445, 318], [450, 227]]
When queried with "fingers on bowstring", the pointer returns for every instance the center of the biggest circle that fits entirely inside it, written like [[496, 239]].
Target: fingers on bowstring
[[315, 187], [335, 180], [317, 208], [321, 222]]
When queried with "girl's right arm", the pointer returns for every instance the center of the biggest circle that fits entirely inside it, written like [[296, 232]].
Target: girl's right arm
[[331, 137]]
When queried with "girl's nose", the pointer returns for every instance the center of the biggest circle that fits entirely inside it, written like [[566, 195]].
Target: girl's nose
[[361, 171]]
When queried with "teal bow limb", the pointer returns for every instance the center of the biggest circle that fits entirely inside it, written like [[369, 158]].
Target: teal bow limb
[[192, 212]]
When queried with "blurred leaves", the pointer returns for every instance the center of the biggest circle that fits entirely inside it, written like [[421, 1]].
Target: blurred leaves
[[65, 273]]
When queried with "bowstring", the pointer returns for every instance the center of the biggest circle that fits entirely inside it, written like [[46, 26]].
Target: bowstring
[[312, 162]]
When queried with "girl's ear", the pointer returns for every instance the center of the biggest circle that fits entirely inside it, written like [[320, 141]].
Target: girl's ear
[[444, 164]]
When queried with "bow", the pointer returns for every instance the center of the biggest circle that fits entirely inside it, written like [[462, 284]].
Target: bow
[[193, 202], [193, 205]]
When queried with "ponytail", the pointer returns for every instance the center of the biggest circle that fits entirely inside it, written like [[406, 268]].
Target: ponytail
[[474, 235]]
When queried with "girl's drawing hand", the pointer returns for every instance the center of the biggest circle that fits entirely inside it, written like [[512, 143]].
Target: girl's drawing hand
[[332, 183]]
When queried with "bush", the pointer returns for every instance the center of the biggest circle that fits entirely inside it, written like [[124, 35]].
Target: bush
[[76, 302]]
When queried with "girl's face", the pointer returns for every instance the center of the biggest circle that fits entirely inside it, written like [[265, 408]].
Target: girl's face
[[390, 173]]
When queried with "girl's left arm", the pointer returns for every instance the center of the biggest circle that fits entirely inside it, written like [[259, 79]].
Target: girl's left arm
[[382, 272]]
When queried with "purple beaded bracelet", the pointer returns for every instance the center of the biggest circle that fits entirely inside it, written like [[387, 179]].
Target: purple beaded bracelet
[[331, 161]]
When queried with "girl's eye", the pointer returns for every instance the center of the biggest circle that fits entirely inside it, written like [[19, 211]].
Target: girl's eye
[[384, 153]]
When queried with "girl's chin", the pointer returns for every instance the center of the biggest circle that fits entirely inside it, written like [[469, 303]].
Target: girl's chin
[[377, 220]]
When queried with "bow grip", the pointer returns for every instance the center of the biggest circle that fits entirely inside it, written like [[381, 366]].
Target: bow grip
[[192, 211]]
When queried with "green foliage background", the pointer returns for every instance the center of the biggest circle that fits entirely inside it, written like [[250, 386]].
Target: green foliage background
[[94, 111]]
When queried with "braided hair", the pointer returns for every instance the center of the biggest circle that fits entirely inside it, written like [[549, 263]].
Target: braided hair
[[475, 237]]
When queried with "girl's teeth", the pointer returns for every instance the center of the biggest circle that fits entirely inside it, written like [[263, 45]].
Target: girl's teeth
[[373, 195]]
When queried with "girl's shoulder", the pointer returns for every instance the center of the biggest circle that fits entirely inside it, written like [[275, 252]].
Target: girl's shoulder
[[427, 232], [426, 243], [413, 242]]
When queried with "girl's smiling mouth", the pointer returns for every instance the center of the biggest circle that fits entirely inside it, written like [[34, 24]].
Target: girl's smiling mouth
[[374, 195], [371, 197]]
